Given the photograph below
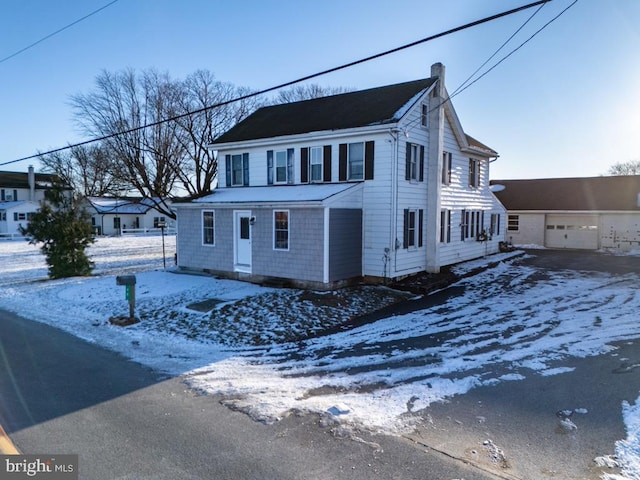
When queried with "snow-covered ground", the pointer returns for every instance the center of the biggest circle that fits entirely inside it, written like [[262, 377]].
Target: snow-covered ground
[[503, 324]]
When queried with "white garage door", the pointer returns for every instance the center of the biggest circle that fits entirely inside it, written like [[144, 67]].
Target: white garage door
[[572, 231]]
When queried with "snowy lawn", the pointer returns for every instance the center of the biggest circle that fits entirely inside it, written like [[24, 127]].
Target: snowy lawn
[[256, 346]]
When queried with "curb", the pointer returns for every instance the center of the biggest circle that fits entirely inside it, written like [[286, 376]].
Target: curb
[[6, 445]]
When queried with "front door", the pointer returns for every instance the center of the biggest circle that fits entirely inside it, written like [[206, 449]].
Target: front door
[[242, 240]]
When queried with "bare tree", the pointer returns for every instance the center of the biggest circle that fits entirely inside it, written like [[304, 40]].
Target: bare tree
[[166, 158], [120, 105], [87, 169], [297, 93], [625, 168], [198, 169]]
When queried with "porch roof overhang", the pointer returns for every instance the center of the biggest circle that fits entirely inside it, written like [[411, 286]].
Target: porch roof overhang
[[293, 195]]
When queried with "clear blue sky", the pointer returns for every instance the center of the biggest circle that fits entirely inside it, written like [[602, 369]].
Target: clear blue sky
[[566, 104]]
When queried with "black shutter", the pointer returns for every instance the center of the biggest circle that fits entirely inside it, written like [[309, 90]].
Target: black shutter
[[270, 167], [405, 233], [420, 218], [227, 168], [368, 160], [407, 167], [342, 162], [304, 165], [421, 163], [290, 155], [326, 159], [245, 169]]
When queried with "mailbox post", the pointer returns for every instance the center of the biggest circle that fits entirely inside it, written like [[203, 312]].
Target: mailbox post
[[129, 281]]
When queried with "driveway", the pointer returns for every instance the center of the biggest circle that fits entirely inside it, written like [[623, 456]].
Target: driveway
[[479, 373], [518, 429]]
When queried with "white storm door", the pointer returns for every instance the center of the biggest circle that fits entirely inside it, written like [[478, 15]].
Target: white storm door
[[242, 240]]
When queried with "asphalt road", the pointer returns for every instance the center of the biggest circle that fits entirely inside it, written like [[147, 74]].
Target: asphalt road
[[62, 395]]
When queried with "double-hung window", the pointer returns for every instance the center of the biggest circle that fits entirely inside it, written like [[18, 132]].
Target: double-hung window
[[474, 173], [412, 158], [355, 161], [208, 227], [315, 164], [447, 164], [495, 224], [281, 166], [413, 220], [281, 230], [424, 115], [236, 170]]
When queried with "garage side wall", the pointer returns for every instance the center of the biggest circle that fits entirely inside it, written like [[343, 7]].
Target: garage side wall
[[530, 229], [620, 231]]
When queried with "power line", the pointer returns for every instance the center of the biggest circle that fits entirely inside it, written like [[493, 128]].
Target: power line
[[498, 50], [287, 84], [460, 90], [57, 32]]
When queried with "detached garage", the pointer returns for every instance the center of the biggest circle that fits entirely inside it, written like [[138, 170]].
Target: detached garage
[[577, 213]]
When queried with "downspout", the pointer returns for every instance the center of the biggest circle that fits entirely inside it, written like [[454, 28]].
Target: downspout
[[393, 220]]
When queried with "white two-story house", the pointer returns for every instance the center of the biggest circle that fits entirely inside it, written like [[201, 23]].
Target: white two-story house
[[375, 184], [20, 197]]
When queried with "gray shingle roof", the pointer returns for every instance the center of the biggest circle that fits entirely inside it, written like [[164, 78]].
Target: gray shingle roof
[[374, 106], [572, 194]]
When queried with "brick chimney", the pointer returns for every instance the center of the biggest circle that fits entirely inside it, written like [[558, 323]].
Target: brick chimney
[[434, 165], [32, 184]]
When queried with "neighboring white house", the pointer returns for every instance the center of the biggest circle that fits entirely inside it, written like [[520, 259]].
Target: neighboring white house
[[20, 196], [380, 183], [118, 215], [581, 213]]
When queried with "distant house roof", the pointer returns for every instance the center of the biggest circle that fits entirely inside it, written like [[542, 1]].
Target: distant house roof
[[120, 206], [5, 206], [279, 194], [21, 180], [571, 194], [375, 106]]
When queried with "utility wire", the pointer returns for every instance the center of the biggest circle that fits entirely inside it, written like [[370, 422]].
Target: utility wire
[[498, 50], [287, 84], [460, 90], [56, 32]]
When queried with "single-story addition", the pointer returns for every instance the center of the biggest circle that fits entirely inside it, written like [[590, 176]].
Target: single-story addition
[[376, 184], [580, 213], [118, 215]]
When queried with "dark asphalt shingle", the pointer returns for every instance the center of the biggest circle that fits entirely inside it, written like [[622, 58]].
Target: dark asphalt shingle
[[374, 106]]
